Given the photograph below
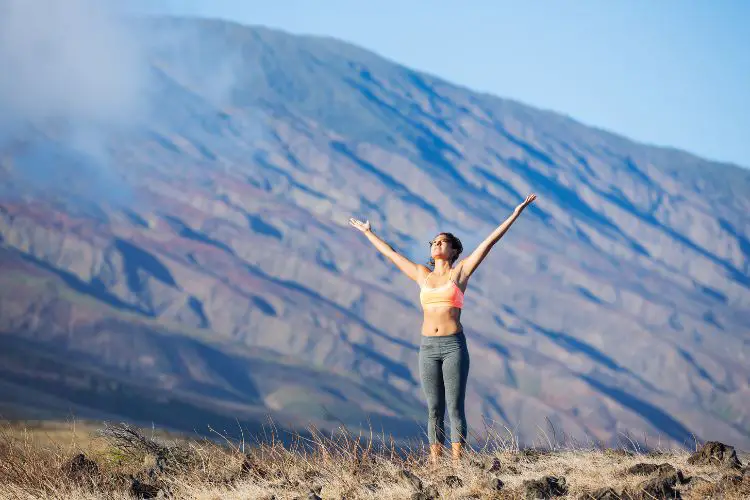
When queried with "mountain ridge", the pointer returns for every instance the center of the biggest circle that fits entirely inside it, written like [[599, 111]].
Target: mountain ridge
[[551, 113]]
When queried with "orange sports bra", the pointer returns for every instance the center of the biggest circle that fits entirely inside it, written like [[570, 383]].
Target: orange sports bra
[[448, 294]]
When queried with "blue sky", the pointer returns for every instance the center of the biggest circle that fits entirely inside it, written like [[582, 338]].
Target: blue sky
[[664, 72]]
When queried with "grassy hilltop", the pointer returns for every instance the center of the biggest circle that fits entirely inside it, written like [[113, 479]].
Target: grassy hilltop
[[87, 461]]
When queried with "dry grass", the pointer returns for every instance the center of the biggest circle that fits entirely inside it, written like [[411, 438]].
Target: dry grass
[[34, 464]]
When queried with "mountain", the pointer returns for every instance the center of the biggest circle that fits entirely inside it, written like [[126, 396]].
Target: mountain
[[202, 272]]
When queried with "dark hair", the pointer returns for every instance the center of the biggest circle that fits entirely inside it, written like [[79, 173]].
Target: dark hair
[[455, 244]]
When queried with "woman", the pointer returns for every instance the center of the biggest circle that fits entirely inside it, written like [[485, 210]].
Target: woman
[[443, 355]]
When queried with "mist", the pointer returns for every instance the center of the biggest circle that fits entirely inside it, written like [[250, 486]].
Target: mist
[[72, 60], [74, 78], [82, 78]]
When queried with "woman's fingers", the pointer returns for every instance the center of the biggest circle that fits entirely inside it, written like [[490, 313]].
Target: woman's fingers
[[361, 226]]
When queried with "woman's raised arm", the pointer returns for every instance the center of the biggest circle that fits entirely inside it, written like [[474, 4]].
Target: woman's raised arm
[[470, 263], [409, 268]]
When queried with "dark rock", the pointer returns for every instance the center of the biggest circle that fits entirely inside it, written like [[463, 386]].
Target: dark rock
[[715, 453], [546, 487], [530, 455], [677, 475], [667, 470], [495, 484], [373, 487], [642, 469], [432, 492], [311, 475], [251, 467], [670, 474], [496, 465], [660, 487], [454, 481], [476, 464], [601, 494], [143, 490], [420, 495], [412, 479], [80, 468]]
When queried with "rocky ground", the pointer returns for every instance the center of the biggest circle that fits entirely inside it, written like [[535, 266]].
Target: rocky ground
[[119, 461]]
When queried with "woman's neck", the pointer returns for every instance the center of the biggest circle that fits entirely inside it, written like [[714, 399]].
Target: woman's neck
[[442, 267]]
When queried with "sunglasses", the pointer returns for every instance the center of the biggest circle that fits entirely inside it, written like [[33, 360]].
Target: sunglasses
[[432, 242]]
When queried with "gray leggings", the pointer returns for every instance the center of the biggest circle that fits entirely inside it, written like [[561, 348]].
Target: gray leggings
[[444, 369]]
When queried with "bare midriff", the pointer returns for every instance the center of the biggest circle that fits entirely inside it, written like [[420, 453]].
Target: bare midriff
[[441, 321]]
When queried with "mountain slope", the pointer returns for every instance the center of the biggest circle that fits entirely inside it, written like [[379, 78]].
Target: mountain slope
[[617, 304]]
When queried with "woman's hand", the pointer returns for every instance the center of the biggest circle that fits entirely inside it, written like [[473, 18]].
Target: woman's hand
[[528, 201], [358, 224]]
